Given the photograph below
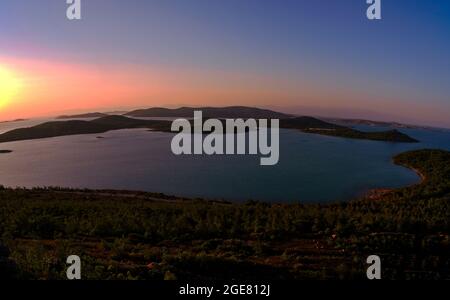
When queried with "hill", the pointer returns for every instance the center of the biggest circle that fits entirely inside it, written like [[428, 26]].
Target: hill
[[73, 127], [231, 112]]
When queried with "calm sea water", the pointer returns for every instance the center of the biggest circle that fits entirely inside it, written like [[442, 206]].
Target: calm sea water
[[312, 168]]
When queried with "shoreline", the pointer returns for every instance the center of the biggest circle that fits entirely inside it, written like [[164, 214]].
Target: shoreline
[[379, 193], [371, 194]]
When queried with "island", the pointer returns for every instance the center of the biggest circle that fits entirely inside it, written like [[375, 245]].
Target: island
[[115, 122], [75, 127], [5, 151]]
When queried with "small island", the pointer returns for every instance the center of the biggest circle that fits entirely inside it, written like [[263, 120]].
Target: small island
[[5, 151]]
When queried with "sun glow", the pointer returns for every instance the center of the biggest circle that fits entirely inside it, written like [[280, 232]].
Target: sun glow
[[9, 85]]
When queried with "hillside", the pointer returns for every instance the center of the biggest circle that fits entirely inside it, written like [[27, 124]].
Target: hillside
[[137, 235]]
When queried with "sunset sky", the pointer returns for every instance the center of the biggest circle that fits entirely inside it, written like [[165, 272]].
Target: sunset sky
[[318, 57]]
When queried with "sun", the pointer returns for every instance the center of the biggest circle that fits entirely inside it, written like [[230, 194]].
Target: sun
[[9, 85]]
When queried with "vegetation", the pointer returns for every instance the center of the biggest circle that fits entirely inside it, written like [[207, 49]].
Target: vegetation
[[126, 235]]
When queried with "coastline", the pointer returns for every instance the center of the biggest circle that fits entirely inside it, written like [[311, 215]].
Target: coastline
[[370, 194], [379, 193], [146, 236]]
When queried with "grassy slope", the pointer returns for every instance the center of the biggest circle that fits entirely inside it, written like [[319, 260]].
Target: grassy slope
[[125, 235]]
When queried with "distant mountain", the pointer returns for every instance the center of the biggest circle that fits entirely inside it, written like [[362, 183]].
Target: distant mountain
[[12, 121], [116, 112], [83, 116], [231, 112]]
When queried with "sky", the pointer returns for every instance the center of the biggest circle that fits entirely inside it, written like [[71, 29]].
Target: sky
[[320, 57]]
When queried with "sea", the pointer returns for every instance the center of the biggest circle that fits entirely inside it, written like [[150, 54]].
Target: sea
[[312, 168]]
